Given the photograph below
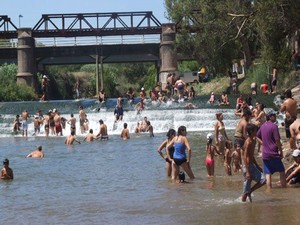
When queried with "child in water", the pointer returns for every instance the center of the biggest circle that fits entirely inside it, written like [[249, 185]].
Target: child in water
[[212, 98], [210, 153], [227, 157], [236, 158]]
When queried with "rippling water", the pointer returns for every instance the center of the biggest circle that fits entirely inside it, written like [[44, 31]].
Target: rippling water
[[123, 182]]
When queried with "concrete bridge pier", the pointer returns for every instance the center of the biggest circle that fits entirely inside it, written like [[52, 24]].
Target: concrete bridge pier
[[26, 59], [168, 53]]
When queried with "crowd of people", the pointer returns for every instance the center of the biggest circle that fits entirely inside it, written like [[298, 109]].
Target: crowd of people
[[256, 129]]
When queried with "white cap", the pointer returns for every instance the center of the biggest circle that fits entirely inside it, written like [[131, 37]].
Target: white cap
[[296, 153], [210, 136], [45, 76], [54, 110], [142, 88]]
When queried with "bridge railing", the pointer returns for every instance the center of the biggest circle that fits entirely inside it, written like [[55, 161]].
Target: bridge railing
[[108, 40], [81, 41]]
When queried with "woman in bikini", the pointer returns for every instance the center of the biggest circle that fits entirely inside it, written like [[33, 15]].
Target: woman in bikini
[[220, 133], [210, 153], [180, 158], [170, 135]]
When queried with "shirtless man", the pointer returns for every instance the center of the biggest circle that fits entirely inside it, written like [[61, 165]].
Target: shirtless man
[[71, 138], [36, 153], [25, 116], [102, 131], [90, 136], [57, 121], [120, 101], [47, 124], [289, 106], [150, 129], [72, 122], [294, 130], [240, 134], [37, 125], [81, 119], [144, 125], [125, 132], [130, 95], [102, 96], [16, 126], [251, 169], [6, 172]]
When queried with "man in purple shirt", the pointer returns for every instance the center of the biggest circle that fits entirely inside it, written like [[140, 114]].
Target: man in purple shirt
[[271, 149]]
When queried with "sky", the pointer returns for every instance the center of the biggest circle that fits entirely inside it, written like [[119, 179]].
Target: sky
[[32, 10]]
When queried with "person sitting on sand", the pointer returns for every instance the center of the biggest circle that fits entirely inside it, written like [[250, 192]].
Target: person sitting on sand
[[293, 172], [36, 153]]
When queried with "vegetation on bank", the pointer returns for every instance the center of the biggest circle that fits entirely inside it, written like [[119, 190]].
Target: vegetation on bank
[[226, 31], [118, 78]]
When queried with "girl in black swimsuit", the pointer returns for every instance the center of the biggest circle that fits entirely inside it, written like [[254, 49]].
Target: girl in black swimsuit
[[171, 134]]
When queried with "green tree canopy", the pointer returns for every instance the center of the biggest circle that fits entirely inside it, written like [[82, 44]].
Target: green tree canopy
[[235, 29]]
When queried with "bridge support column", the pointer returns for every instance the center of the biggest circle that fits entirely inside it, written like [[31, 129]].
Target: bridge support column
[[26, 59], [168, 53]]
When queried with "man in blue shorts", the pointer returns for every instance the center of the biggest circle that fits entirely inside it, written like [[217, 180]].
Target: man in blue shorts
[[271, 149]]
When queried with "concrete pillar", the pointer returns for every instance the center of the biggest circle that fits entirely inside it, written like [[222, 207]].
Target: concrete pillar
[[26, 59], [168, 53]]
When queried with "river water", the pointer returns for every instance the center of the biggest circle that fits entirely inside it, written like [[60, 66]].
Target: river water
[[124, 182]]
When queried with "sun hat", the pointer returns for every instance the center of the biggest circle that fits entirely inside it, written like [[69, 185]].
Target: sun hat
[[210, 136], [271, 113], [296, 153]]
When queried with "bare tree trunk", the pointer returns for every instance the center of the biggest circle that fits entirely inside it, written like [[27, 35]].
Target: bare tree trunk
[[246, 50]]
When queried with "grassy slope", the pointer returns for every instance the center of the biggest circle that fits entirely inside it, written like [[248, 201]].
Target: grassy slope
[[220, 84]]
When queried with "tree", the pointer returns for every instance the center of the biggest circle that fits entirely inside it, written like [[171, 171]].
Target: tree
[[233, 29]]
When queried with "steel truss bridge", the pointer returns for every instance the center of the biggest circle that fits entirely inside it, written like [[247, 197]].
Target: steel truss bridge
[[95, 24]]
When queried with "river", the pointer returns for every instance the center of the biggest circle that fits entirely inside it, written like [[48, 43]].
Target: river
[[124, 182]]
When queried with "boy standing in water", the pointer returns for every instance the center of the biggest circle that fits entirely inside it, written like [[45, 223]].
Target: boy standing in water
[[6, 172], [251, 170]]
